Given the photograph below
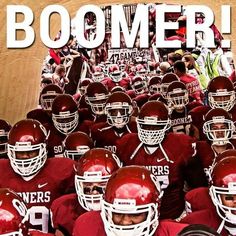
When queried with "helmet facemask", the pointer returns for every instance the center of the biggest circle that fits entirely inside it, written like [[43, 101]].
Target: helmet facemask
[[228, 214], [142, 72], [47, 99], [128, 206], [178, 98], [118, 114], [151, 131], [90, 202], [116, 76], [28, 166], [66, 122], [222, 99], [219, 136], [98, 76], [76, 154], [97, 103], [139, 87], [155, 88]]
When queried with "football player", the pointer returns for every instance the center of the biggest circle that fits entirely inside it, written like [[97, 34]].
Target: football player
[[219, 129], [93, 170], [222, 193], [220, 94], [192, 83], [65, 117], [130, 207], [118, 109], [76, 144], [115, 78], [44, 113], [96, 96], [35, 178], [179, 106], [166, 154], [14, 217]]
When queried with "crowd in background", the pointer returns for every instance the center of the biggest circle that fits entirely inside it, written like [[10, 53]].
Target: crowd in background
[[125, 141]]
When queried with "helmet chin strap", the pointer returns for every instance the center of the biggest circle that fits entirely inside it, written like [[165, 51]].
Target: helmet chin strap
[[221, 226], [28, 178], [232, 231], [220, 143], [94, 206], [162, 150], [216, 147], [165, 155]]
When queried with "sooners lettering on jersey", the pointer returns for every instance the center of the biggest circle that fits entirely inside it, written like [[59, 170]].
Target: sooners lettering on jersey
[[168, 171], [53, 180]]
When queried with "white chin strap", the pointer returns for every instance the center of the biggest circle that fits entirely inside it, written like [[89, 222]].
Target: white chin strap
[[220, 142], [231, 217], [165, 155], [232, 231], [94, 206]]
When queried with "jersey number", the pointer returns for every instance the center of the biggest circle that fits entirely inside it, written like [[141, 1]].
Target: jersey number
[[39, 216], [184, 129]]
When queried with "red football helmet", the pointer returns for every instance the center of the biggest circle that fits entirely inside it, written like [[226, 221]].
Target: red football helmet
[[139, 85], [141, 99], [43, 116], [153, 122], [221, 93], [157, 97], [95, 166], [118, 109], [48, 94], [141, 70], [4, 129], [14, 214], [117, 88], [96, 96], [167, 79], [65, 115], [98, 74], [27, 147], [224, 185], [154, 85], [76, 144], [83, 84], [131, 190], [115, 73], [177, 95], [218, 126]]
